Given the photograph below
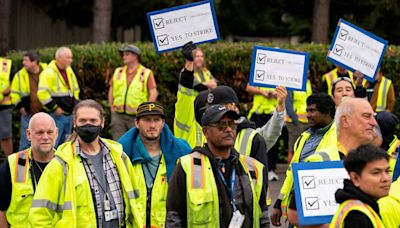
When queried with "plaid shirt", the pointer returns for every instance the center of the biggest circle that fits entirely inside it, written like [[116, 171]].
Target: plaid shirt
[[112, 178]]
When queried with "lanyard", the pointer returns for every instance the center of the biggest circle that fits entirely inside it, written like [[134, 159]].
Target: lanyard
[[231, 188]]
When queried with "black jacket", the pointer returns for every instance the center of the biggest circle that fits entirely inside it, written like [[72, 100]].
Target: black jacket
[[355, 218], [176, 201]]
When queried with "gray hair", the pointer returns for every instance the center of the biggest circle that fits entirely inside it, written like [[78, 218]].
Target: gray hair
[[62, 51], [38, 116]]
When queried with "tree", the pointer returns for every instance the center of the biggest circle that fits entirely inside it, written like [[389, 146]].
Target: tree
[[102, 11], [320, 25], [5, 25]]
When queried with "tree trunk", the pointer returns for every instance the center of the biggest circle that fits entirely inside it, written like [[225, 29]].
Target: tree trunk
[[102, 12], [5, 26], [320, 21]]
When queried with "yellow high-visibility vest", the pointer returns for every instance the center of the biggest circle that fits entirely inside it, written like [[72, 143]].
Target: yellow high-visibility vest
[[126, 98], [5, 72], [330, 77], [20, 85], [300, 104], [355, 205], [202, 193], [262, 105]]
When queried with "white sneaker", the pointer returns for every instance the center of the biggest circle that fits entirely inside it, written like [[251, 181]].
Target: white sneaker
[[272, 176]]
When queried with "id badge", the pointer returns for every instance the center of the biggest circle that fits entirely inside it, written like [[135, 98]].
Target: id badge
[[110, 215], [237, 220]]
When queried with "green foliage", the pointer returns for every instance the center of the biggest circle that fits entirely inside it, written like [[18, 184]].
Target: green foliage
[[94, 65]]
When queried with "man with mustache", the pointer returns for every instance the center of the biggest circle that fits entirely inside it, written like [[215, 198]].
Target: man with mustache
[[215, 186], [319, 139], [20, 173], [153, 151]]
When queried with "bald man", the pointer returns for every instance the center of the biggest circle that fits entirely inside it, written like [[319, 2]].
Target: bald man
[[20, 173], [59, 91], [356, 122]]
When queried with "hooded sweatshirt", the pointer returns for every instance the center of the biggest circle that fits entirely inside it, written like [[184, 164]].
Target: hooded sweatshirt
[[171, 147], [356, 218]]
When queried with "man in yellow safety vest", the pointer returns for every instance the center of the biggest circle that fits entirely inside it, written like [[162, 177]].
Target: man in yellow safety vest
[[20, 173], [131, 85], [215, 186], [368, 169]]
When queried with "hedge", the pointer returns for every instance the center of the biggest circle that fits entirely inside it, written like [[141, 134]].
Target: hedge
[[229, 62]]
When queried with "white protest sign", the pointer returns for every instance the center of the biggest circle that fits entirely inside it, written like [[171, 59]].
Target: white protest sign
[[173, 27], [356, 49], [271, 67], [315, 184]]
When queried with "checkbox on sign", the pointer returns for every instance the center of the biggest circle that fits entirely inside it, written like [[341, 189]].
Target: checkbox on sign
[[308, 182], [343, 34], [260, 74], [311, 203], [162, 40], [261, 58], [158, 23], [337, 50]]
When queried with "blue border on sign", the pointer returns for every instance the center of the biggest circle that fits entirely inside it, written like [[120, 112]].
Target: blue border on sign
[[253, 64], [178, 8], [307, 166], [373, 36]]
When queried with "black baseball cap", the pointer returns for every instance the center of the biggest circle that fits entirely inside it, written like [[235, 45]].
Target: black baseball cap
[[214, 113], [222, 95], [150, 108]]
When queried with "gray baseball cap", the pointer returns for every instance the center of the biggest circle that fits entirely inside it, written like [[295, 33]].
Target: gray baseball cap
[[131, 48]]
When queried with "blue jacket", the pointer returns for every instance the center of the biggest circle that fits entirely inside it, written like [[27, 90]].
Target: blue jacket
[[172, 147]]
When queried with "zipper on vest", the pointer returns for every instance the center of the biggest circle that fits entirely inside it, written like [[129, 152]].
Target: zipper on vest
[[148, 197]]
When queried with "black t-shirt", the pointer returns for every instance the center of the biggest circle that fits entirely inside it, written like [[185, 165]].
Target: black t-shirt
[[6, 184]]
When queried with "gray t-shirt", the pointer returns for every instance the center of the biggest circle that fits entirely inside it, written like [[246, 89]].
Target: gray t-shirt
[[150, 170], [100, 175]]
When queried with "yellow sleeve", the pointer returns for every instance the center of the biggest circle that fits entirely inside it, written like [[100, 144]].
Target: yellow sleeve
[[16, 89], [46, 87], [48, 197]]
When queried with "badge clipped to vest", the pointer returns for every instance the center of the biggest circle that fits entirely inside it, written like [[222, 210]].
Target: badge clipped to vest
[[237, 219]]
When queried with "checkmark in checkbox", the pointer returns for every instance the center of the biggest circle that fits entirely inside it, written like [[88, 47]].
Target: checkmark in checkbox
[[338, 49], [158, 23], [311, 203], [162, 40], [343, 34], [308, 182], [261, 58], [260, 74]]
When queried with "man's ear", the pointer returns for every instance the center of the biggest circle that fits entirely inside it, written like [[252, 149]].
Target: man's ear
[[344, 121], [28, 134], [355, 178], [205, 131]]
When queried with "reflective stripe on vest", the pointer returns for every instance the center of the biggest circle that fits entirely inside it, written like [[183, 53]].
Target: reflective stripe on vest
[[21, 171], [126, 98], [383, 92], [349, 205], [42, 203], [197, 171], [244, 140], [331, 76], [393, 152]]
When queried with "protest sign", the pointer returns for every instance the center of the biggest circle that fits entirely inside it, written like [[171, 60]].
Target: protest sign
[[356, 49], [315, 184], [173, 27], [271, 67]]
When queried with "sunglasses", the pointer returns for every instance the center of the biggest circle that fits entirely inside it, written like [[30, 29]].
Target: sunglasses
[[223, 125]]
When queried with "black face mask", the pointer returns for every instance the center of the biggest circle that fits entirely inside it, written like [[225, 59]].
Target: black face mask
[[88, 132]]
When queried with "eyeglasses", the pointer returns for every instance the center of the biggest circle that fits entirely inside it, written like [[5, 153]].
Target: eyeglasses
[[223, 125]]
